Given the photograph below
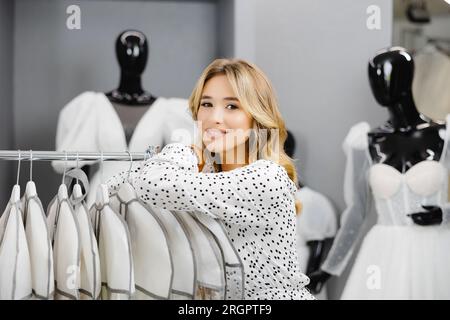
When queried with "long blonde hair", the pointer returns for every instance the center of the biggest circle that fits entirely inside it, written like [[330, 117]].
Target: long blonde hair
[[257, 97]]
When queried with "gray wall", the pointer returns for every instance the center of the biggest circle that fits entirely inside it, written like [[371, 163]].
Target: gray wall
[[54, 64], [6, 94], [226, 28], [316, 54]]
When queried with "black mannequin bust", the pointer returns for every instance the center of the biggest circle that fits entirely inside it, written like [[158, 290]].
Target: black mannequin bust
[[407, 137], [132, 54]]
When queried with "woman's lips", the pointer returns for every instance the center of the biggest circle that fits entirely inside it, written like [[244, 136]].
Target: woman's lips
[[215, 133]]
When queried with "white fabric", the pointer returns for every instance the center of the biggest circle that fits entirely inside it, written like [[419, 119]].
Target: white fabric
[[153, 268], [424, 178], [431, 83], [90, 280], [234, 268], [90, 123], [397, 259], [39, 244], [63, 227], [210, 273], [255, 203], [15, 266], [116, 260], [356, 196], [316, 222], [184, 277], [401, 262]]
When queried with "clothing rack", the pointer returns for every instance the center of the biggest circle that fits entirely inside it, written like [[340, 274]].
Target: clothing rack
[[442, 44], [442, 40], [74, 155]]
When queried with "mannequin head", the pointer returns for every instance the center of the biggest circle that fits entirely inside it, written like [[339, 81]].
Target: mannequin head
[[289, 144], [132, 52], [391, 74]]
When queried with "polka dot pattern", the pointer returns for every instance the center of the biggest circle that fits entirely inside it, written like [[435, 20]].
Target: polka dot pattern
[[255, 203]]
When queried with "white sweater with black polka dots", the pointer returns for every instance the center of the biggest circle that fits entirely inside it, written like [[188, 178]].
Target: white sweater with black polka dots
[[255, 203]]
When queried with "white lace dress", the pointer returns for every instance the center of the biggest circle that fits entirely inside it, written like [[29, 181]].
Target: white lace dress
[[397, 259]]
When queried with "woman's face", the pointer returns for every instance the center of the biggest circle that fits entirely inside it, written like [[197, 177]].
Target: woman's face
[[224, 124]]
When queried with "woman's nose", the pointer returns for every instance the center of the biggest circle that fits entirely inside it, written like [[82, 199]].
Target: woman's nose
[[217, 114]]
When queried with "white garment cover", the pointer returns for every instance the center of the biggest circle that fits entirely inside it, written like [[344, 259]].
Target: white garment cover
[[317, 221], [39, 244], [116, 260], [234, 268], [209, 261], [90, 123], [90, 280], [397, 259], [431, 82], [15, 266], [152, 260], [63, 227], [184, 267]]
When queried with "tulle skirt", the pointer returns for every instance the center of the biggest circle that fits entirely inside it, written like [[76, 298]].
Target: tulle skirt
[[402, 262]]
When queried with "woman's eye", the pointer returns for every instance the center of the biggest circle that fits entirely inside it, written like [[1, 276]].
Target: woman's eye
[[232, 107], [206, 104]]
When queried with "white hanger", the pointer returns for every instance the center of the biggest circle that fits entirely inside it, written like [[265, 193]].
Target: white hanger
[[62, 191], [30, 189], [77, 193], [126, 191], [102, 191], [131, 165]]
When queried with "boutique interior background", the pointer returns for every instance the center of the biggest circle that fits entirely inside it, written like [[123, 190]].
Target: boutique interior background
[[421, 33], [430, 20], [314, 51]]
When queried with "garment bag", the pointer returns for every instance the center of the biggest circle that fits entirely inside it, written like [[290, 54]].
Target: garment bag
[[209, 260], [64, 231], [116, 260], [90, 280], [15, 266], [153, 268], [184, 267], [39, 244], [234, 268]]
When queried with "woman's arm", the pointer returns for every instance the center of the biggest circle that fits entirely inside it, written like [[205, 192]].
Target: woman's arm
[[171, 180], [357, 197]]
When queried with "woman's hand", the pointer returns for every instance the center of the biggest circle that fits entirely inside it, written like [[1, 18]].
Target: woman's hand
[[317, 280]]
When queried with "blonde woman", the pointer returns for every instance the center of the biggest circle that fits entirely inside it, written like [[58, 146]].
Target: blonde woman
[[238, 173]]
